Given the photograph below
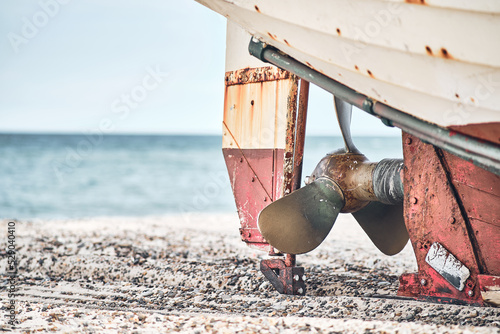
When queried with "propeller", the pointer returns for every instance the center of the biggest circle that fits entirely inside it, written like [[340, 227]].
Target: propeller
[[384, 224], [299, 222], [343, 181]]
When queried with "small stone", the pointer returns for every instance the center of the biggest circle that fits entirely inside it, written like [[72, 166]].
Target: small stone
[[279, 307], [472, 314], [383, 283], [147, 293]]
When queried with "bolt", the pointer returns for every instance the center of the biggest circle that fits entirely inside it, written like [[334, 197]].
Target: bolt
[[408, 141], [300, 291], [470, 293], [423, 282], [413, 200], [296, 277], [253, 179], [451, 220], [265, 199], [303, 277], [241, 159], [307, 180]]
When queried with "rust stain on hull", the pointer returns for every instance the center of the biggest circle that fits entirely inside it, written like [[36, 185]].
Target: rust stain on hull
[[445, 54], [253, 75], [272, 36], [416, 2], [291, 120]]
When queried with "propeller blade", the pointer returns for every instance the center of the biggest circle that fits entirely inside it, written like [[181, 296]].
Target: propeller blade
[[385, 226], [344, 115], [299, 222]]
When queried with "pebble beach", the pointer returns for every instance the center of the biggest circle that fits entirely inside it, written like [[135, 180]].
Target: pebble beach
[[191, 273]]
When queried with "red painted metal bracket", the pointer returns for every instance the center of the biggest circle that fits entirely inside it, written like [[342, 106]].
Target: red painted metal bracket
[[457, 249], [286, 280]]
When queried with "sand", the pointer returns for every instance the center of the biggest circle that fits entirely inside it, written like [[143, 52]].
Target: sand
[[191, 273]]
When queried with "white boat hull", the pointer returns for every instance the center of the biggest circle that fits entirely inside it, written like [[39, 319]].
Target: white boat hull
[[439, 62]]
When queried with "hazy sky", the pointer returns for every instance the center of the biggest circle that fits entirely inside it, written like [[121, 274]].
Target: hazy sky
[[150, 66]]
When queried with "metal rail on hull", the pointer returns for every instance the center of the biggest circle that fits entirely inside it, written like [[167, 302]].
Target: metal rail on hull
[[482, 154]]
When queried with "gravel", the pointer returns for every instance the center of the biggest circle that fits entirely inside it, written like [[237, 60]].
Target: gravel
[[191, 273]]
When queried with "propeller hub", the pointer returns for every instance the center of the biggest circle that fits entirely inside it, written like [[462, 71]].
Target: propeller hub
[[352, 172]]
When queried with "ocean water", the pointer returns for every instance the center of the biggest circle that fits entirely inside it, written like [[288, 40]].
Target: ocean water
[[77, 176]]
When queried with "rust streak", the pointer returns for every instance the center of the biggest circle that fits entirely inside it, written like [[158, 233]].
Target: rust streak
[[418, 2], [300, 133], [339, 32], [429, 50], [257, 8], [275, 158], [445, 53], [286, 42], [272, 36], [370, 73], [291, 118]]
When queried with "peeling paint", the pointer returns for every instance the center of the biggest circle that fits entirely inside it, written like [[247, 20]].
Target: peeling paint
[[447, 266]]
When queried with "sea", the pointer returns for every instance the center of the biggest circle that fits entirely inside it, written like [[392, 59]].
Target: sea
[[65, 176]]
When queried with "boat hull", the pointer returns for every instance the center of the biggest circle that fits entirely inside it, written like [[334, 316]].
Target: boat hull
[[438, 64]]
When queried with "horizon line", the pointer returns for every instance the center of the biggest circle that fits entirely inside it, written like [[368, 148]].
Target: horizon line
[[81, 133]]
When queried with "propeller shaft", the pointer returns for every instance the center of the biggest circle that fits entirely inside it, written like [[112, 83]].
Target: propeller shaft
[[362, 181]]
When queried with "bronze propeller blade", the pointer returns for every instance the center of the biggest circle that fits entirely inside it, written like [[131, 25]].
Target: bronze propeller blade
[[299, 222], [385, 226]]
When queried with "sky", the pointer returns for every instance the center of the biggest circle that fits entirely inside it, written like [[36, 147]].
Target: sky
[[123, 66]]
